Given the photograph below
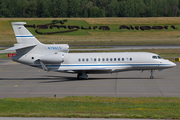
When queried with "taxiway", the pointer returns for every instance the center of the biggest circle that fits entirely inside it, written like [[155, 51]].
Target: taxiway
[[17, 80]]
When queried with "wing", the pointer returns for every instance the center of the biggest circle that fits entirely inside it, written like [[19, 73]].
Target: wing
[[93, 70]]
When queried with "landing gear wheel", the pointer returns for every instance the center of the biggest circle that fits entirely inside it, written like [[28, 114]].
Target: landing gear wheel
[[151, 77], [81, 76], [78, 76]]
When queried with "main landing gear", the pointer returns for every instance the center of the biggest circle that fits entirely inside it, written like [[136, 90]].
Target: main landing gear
[[152, 77], [82, 75]]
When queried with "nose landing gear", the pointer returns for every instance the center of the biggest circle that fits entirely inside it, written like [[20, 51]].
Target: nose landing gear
[[152, 77]]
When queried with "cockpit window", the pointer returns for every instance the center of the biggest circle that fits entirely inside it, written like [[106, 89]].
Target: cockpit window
[[159, 57], [154, 57]]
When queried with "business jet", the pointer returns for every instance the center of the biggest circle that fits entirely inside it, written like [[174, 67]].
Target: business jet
[[55, 57]]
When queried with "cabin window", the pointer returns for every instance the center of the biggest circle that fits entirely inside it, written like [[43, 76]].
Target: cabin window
[[87, 59], [83, 59], [94, 59], [99, 59], [79, 59], [107, 59], [114, 59], [111, 59], [32, 58], [130, 59], [122, 59], [103, 59], [154, 57], [119, 59]]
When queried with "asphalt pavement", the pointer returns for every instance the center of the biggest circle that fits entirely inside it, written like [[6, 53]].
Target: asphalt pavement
[[17, 80]]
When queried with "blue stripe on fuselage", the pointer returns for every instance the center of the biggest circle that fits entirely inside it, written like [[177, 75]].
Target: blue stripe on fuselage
[[104, 65], [24, 36]]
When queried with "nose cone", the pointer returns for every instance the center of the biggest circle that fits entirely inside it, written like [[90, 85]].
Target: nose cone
[[173, 64], [167, 64], [170, 64]]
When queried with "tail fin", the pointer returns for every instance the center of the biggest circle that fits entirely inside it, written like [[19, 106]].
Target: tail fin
[[23, 36], [27, 41]]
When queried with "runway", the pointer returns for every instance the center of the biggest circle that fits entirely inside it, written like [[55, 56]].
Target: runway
[[17, 80]]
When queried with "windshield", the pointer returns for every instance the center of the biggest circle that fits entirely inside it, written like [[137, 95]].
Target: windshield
[[156, 57], [159, 57]]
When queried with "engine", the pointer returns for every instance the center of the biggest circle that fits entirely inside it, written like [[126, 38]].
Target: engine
[[53, 59], [58, 47]]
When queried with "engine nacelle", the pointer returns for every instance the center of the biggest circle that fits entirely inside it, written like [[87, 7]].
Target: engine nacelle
[[58, 47], [53, 59]]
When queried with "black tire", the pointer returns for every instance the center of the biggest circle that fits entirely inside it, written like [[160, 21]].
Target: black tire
[[78, 76]]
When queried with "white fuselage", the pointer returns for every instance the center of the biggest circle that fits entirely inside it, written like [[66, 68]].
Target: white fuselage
[[103, 62], [113, 62]]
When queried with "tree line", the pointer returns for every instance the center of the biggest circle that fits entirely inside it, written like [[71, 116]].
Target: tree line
[[89, 8]]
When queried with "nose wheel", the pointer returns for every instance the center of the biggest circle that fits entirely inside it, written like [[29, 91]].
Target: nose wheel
[[152, 77]]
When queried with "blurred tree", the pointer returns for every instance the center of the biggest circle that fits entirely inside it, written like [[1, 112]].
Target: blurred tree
[[74, 8], [113, 10], [4, 11], [32, 8], [84, 8], [59, 8], [47, 8], [94, 11], [89, 8]]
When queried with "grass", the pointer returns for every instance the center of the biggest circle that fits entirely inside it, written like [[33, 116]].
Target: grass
[[92, 107], [3, 55], [99, 37]]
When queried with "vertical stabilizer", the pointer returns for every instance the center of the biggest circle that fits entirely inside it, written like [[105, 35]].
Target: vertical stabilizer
[[23, 36], [27, 43]]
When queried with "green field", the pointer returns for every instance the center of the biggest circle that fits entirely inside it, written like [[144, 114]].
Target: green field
[[92, 107], [99, 37]]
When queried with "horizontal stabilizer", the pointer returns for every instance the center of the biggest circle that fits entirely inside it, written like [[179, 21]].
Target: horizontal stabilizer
[[20, 46]]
